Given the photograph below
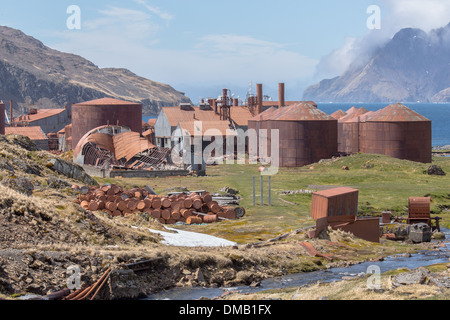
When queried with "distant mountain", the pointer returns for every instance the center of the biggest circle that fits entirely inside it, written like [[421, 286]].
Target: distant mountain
[[412, 66], [33, 74]]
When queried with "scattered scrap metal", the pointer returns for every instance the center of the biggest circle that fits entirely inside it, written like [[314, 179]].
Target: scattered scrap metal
[[187, 207]]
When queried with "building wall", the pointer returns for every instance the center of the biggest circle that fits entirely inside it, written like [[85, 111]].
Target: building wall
[[163, 131], [53, 123]]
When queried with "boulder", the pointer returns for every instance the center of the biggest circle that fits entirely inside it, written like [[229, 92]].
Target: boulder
[[435, 170], [71, 170]]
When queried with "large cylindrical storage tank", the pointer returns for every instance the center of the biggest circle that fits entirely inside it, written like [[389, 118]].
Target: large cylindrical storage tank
[[92, 114], [398, 132], [307, 134], [2, 118], [255, 124]]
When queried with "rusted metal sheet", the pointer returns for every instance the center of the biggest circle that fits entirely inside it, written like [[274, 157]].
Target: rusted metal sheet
[[313, 252], [129, 144], [335, 202], [92, 114], [338, 114]]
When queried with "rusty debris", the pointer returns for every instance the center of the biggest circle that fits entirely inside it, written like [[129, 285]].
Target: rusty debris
[[92, 291], [189, 208]]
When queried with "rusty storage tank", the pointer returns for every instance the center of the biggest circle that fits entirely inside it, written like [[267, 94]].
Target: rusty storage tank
[[398, 132], [307, 134], [2, 118], [255, 124], [92, 114], [348, 131]]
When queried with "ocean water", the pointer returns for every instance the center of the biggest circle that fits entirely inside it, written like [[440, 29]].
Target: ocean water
[[438, 113]]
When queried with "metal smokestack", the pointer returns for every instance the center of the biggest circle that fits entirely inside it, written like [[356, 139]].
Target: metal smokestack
[[281, 99], [259, 97]]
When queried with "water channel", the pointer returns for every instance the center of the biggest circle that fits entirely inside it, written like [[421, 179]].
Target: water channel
[[421, 259]]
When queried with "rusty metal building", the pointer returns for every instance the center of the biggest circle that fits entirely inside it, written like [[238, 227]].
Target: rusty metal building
[[50, 120], [34, 133], [398, 132], [92, 114]]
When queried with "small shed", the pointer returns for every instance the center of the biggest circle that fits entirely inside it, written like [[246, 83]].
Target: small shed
[[335, 202]]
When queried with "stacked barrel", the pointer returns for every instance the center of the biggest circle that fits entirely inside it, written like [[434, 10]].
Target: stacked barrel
[[190, 208]]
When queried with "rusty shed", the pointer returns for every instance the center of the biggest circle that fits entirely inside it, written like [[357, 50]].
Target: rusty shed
[[2, 118], [341, 201], [92, 114], [398, 132], [306, 134], [338, 208]]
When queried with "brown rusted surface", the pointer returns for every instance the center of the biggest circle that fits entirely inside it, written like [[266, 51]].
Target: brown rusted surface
[[419, 210], [129, 144], [334, 202], [338, 114], [313, 252]]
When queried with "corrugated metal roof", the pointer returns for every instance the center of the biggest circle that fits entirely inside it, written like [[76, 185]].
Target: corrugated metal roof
[[129, 144], [41, 114], [207, 128], [361, 118], [338, 114], [335, 192], [305, 111], [102, 140], [264, 115], [106, 102], [353, 115], [240, 115], [177, 115], [34, 133], [396, 113]]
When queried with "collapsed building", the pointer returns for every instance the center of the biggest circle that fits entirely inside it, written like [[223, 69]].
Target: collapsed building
[[117, 147]]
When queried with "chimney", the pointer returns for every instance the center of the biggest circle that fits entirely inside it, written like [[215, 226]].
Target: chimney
[[236, 102], [11, 113], [259, 97], [281, 99]]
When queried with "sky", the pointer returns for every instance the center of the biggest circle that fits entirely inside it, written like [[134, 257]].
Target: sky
[[201, 47]]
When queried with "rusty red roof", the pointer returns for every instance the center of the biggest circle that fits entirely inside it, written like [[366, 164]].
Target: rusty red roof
[[41, 114], [304, 111], [129, 144], [264, 115], [107, 102], [396, 113], [335, 192], [349, 117], [338, 114], [208, 128], [34, 133]]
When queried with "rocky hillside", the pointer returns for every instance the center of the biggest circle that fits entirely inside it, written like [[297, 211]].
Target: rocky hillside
[[31, 73], [412, 66]]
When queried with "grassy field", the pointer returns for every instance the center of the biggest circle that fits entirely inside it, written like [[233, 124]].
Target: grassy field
[[384, 184]]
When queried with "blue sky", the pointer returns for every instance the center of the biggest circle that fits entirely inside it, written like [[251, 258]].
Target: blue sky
[[200, 47]]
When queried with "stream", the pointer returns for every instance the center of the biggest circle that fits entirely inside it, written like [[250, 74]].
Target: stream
[[420, 259]]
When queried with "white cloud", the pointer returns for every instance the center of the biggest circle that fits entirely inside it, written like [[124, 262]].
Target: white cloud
[[426, 15], [395, 15], [155, 10]]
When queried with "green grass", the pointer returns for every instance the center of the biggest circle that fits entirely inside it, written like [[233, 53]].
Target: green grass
[[384, 184]]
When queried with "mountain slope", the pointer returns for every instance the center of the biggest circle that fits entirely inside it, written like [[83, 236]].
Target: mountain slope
[[31, 73], [412, 66]]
